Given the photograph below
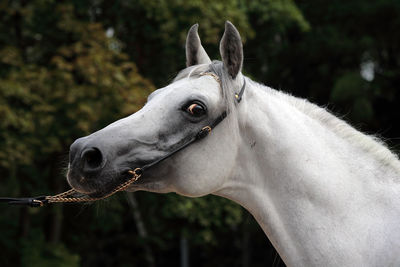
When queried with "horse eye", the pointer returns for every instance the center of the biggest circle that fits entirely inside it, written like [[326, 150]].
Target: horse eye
[[196, 110]]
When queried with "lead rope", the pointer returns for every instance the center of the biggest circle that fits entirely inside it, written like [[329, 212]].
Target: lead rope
[[66, 196]]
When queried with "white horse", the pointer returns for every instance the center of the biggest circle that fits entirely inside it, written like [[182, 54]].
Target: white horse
[[324, 193]]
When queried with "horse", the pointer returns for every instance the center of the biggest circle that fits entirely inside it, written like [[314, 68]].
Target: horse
[[324, 193]]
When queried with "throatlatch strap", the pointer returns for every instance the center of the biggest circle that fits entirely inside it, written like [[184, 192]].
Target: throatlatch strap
[[239, 96]]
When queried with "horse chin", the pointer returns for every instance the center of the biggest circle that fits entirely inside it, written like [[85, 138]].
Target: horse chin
[[77, 182], [96, 187], [151, 183], [155, 187]]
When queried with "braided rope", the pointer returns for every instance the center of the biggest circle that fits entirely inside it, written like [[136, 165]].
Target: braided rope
[[66, 196]]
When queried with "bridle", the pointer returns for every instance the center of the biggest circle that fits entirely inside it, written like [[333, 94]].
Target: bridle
[[68, 196]]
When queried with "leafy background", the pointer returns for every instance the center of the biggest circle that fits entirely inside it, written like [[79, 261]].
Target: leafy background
[[68, 68]]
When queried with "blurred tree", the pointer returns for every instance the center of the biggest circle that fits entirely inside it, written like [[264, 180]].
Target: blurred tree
[[49, 98], [345, 54]]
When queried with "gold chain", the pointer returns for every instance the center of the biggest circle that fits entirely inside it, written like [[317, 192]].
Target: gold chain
[[66, 196]]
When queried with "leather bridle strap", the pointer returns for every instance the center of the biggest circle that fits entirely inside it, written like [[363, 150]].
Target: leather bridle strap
[[239, 96], [69, 196], [200, 135]]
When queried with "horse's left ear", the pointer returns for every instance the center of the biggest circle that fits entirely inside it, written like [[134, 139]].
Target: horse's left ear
[[231, 50]]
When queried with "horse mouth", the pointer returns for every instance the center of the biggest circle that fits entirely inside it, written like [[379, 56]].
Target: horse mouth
[[97, 186]]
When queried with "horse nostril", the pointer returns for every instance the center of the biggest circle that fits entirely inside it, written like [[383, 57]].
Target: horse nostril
[[92, 158]]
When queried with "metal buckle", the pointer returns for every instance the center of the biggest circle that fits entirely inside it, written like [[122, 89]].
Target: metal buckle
[[136, 173], [206, 128]]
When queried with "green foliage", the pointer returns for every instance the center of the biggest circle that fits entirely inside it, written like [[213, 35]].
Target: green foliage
[[170, 15], [281, 13], [36, 252], [52, 92], [85, 85], [207, 213]]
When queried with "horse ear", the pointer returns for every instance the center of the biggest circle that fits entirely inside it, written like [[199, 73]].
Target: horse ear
[[195, 53], [231, 50]]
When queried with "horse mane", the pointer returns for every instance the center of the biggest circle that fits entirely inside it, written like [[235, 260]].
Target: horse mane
[[369, 143]]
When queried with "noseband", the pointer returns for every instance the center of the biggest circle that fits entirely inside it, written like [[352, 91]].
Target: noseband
[[68, 196]]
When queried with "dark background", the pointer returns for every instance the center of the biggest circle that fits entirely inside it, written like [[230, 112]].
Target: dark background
[[68, 68]]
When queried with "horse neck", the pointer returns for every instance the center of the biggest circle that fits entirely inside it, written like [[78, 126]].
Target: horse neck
[[320, 197]]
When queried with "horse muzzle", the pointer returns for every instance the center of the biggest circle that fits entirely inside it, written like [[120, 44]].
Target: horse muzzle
[[87, 163]]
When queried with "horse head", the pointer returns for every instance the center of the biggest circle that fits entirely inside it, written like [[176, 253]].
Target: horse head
[[202, 94]]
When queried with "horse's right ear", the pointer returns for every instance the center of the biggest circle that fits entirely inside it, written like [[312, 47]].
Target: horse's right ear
[[195, 53]]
